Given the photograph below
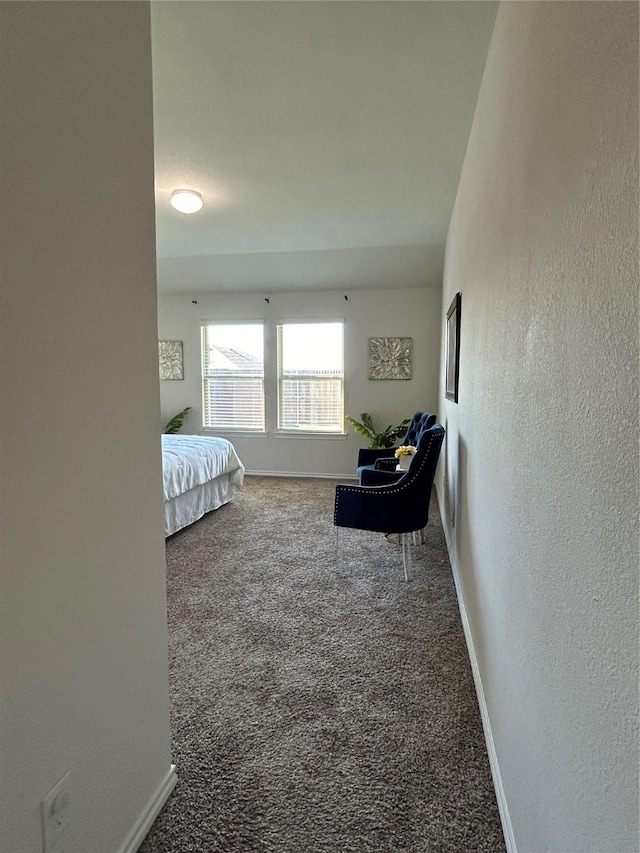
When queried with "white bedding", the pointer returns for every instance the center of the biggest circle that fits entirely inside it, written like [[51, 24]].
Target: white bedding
[[200, 473]]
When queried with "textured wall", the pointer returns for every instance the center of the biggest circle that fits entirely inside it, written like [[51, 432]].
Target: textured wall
[[540, 481], [83, 621], [408, 312]]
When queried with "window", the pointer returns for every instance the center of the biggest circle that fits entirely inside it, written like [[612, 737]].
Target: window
[[233, 376], [310, 377]]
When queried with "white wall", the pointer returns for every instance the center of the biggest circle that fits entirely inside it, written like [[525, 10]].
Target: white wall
[[542, 449], [83, 621], [413, 313]]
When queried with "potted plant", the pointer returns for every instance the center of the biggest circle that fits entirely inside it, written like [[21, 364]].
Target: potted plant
[[404, 454], [385, 438]]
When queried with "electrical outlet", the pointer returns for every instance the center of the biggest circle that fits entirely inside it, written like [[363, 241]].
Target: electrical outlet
[[56, 815]]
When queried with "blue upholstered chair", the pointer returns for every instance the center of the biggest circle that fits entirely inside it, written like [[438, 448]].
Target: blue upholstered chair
[[399, 507], [369, 457]]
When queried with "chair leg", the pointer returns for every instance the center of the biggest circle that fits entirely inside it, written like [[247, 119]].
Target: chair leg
[[339, 543], [406, 554]]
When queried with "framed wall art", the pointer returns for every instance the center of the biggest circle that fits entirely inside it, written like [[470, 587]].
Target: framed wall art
[[390, 358], [452, 350], [171, 360]]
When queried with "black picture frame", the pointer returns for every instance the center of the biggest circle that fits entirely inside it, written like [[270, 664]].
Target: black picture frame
[[452, 350]]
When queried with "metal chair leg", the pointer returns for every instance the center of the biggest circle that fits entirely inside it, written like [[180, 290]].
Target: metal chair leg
[[406, 555]]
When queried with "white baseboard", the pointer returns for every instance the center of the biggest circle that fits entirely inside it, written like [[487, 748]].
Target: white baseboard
[[341, 477], [145, 820], [507, 827]]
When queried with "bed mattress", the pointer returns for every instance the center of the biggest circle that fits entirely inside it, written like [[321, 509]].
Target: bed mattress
[[200, 473]]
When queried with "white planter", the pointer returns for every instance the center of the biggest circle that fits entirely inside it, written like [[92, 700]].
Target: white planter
[[404, 462]]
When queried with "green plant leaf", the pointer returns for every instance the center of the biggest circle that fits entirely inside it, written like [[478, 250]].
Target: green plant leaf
[[176, 422], [367, 421], [361, 429], [386, 438]]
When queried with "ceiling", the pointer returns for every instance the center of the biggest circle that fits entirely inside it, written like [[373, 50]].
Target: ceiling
[[326, 138]]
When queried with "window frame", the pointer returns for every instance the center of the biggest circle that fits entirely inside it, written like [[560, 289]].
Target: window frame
[[297, 432], [258, 431]]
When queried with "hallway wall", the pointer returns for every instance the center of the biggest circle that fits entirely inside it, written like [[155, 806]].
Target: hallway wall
[[539, 482], [83, 630]]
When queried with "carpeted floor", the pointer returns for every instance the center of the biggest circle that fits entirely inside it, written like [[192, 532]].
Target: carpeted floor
[[318, 706]]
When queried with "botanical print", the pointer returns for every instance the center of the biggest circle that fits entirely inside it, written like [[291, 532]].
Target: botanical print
[[390, 358], [170, 354]]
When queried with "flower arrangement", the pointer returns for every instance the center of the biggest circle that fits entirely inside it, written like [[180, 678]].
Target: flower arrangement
[[405, 450]]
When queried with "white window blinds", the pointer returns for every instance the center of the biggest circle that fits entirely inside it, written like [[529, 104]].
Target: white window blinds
[[311, 377], [233, 376]]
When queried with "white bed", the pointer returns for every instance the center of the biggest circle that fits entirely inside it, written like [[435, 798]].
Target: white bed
[[200, 474]]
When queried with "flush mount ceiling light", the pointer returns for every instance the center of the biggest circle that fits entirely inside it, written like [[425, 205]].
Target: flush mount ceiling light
[[186, 201]]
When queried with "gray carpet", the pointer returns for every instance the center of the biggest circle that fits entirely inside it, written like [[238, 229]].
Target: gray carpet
[[316, 705]]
